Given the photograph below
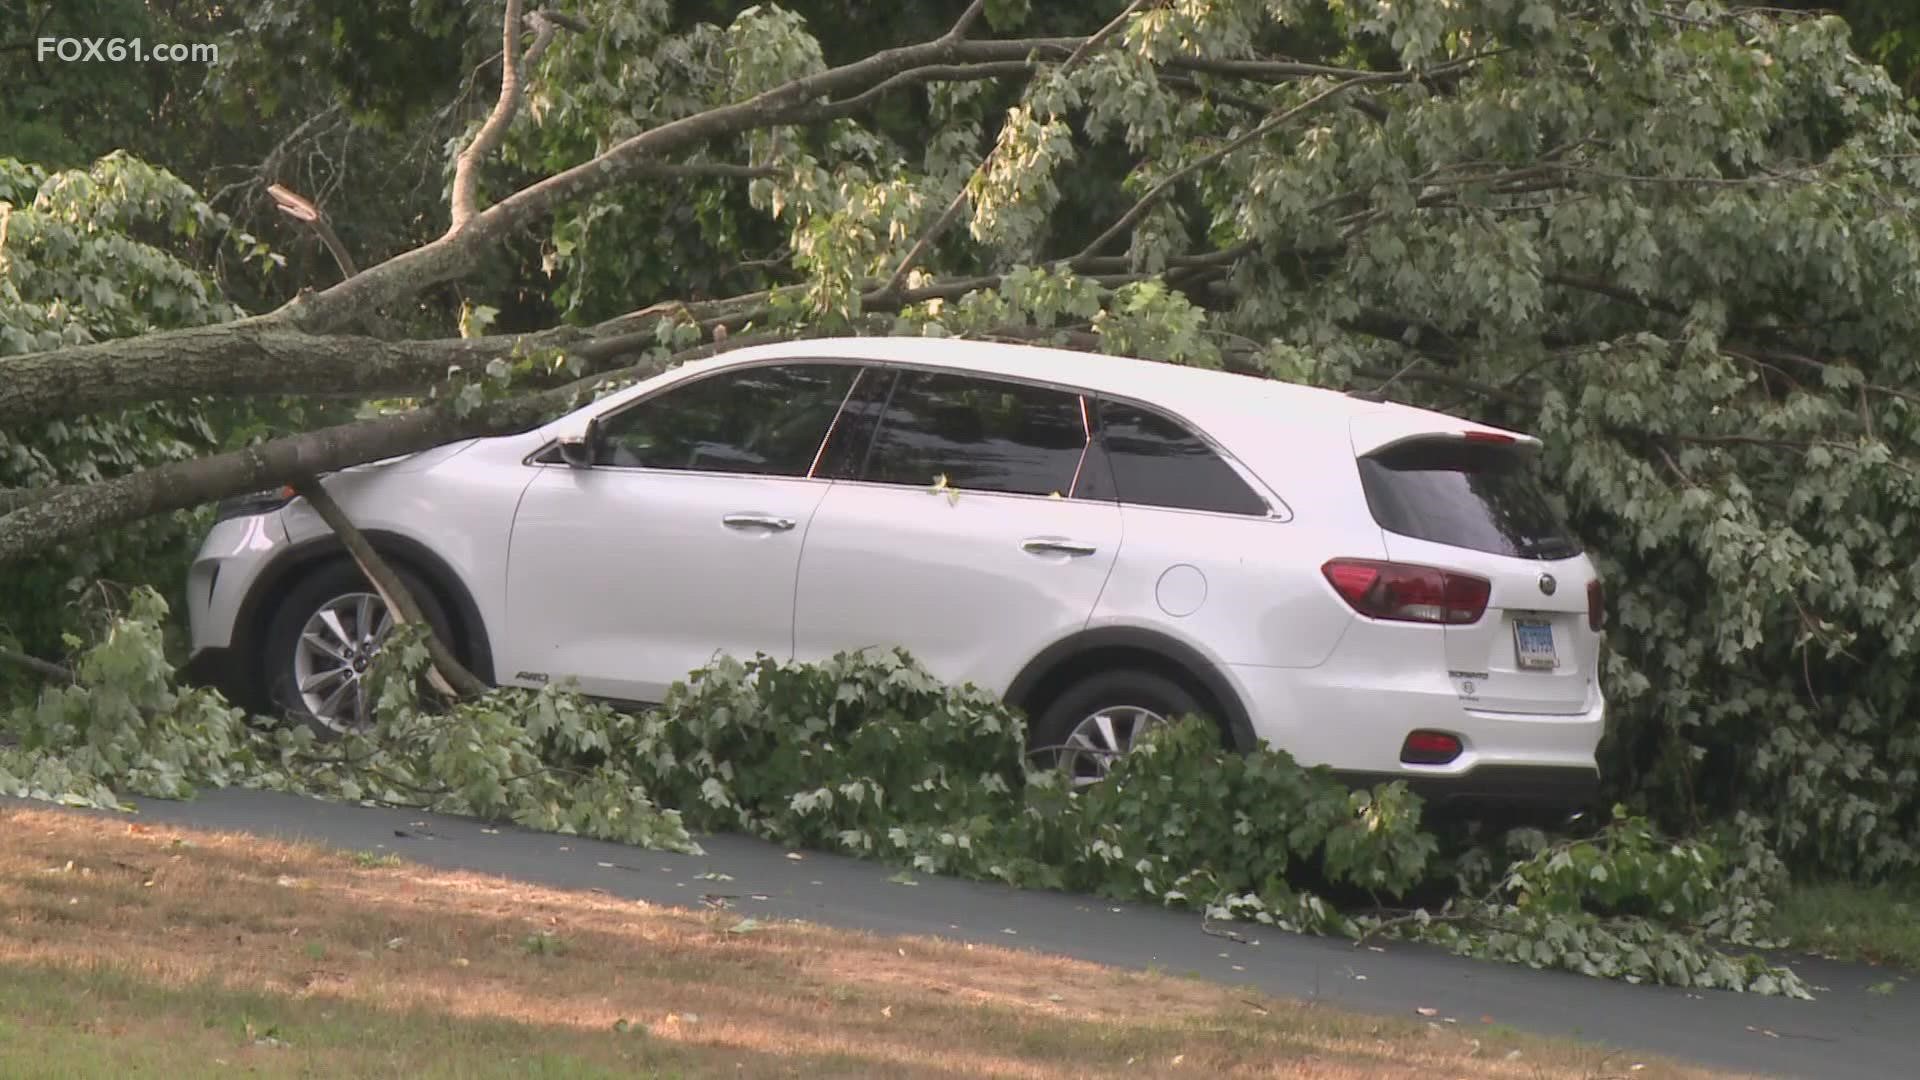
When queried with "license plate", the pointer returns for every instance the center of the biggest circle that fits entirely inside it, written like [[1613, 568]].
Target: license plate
[[1533, 644]]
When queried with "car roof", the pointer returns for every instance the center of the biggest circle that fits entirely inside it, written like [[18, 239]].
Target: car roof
[[1213, 399], [1192, 390]]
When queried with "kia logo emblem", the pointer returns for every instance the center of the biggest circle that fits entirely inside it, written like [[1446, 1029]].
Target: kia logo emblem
[[1547, 584]]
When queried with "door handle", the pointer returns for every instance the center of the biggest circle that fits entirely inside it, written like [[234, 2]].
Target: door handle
[[1056, 545], [770, 522]]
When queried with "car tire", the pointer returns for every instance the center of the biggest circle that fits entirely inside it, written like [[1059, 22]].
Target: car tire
[[336, 586], [1071, 728]]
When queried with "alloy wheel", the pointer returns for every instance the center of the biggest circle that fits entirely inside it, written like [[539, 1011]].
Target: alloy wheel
[[335, 651], [1096, 742]]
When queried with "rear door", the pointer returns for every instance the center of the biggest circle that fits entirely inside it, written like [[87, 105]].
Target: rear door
[[1471, 503], [950, 528]]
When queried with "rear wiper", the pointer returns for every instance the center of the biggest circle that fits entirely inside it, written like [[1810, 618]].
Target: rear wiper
[[1558, 547]]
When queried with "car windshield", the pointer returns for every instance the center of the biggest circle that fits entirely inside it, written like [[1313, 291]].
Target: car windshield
[[1470, 495]]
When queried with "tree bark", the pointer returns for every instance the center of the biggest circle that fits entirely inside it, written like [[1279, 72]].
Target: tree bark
[[232, 359], [44, 668]]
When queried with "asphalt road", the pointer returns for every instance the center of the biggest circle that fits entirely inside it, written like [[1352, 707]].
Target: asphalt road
[[1848, 1032]]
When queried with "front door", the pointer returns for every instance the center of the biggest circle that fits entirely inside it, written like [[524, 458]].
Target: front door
[[682, 540]]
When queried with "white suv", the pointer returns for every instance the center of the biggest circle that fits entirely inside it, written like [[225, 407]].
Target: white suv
[[1104, 542]]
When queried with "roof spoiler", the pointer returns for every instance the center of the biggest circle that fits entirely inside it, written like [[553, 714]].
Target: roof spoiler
[[1373, 432]]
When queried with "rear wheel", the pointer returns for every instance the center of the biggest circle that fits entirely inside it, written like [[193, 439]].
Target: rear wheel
[[1103, 716], [322, 641]]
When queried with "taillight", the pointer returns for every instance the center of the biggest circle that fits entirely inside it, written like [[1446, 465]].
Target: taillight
[[1384, 590], [1494, 437], [1430, 748], [1596, 605]]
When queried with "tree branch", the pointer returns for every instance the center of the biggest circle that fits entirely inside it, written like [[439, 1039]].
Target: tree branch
[[466, 178], [945, 221], [57, 514], [454, 254], [75, 510], [1146, 202], [966, 20], [269, 167], [44, 668], [1759, 355], [304, 211], [458, 681], [993, 69], [232, 359], [1101, 35]]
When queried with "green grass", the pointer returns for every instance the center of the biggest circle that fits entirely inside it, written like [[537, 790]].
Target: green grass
[[1880, 923]]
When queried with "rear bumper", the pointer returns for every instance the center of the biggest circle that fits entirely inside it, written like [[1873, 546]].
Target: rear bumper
[[1549, 789], [1354, 719]]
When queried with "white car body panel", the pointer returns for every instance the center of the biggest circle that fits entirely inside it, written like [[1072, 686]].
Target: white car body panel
[[625, 579], [1482, 656], [224, 571], [1188, 574], [463, 513], [949, 577]]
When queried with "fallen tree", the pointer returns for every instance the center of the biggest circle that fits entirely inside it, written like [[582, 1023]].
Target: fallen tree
[[1677, 240]]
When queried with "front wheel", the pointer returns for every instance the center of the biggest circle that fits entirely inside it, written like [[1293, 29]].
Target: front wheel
[[322, 641], [1099, 718]]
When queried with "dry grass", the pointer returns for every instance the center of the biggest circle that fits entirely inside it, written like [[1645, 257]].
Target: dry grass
[[124, 946]]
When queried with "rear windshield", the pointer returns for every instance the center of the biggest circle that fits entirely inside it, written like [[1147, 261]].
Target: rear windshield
[[1466, 495]]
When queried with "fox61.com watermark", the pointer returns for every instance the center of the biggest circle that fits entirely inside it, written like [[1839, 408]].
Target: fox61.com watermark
[[117, 50]]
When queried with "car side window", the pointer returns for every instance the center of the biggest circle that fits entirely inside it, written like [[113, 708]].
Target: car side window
[[1153, 460], [851, 440], [767, 420], [980, 434]]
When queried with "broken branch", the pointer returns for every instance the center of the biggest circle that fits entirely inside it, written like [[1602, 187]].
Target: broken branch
[[452, 677], [513, 65], [44, 668]]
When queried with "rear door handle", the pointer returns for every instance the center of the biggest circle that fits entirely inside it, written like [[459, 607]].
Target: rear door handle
[[1056, 545], [770, 522]]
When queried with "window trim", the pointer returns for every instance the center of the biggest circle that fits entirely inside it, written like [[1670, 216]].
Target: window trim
[[551, 447], [833, 425], [901, 369], [1277, 508]]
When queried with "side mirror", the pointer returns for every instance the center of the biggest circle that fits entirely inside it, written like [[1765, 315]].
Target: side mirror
[[579, 452]]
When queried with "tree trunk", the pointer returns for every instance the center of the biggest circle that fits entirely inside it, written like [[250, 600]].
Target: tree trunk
[[62, 513], [253, 356]]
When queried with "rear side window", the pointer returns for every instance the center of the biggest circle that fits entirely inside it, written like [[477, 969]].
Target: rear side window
[[981, 434], [1154, 460], [1467, 495], [846, 451]]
